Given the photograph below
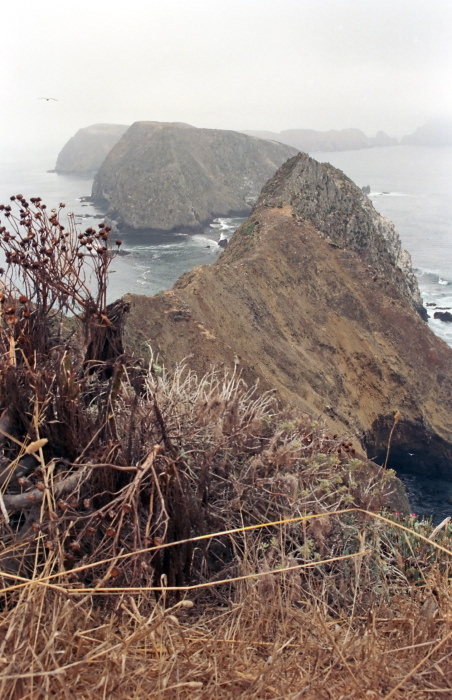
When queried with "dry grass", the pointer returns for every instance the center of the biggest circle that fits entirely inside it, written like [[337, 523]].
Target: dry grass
[[332, 602], [279, 635]]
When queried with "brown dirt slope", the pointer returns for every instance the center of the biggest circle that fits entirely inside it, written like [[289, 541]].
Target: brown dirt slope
[[315, 298]]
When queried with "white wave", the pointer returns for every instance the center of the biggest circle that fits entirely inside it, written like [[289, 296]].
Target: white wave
[[388, 194], [203, 240], [441, 281]]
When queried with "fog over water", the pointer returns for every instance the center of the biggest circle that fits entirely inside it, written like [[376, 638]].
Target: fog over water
[[248, 64]]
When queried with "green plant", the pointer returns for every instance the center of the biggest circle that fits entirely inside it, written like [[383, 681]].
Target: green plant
[[248, 229]]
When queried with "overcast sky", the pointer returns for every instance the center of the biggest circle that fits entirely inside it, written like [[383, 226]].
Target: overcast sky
[[229, 64]]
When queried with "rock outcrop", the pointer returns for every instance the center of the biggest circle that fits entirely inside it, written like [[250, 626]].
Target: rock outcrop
[[445, 316], [86, 151], [316, 299], [310, 140], [174, 177]]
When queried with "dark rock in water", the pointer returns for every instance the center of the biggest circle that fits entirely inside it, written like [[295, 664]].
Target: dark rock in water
[[366, 189], [315, 298], [445, 316], [223, 242], [431, 303], [174, 177], [85, 152]]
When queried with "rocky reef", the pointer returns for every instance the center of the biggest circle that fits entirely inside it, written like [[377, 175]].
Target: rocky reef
[[175, 177], [86, 151], [315, 298]]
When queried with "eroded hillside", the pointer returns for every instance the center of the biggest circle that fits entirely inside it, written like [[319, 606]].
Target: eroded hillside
[[315, 297]]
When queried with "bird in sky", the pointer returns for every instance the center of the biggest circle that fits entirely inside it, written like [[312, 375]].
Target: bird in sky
[[48, 98]]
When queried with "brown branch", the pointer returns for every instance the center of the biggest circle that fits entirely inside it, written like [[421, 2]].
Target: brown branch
[[21, 501]]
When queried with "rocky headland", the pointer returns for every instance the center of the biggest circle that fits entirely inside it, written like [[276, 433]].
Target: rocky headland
[[315, 298], [175, 177], [87, 149]]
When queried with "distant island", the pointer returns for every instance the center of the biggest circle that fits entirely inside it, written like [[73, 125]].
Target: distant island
[[174, 177], [166, 177], [433, 133], [87, 149], [310, 140]]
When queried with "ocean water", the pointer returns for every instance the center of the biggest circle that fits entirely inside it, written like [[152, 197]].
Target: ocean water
[[147, 265]]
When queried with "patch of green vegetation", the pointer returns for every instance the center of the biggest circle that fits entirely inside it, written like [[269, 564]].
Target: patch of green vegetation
[[249, 229]]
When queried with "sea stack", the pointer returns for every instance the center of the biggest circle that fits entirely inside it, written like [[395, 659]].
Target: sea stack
[[175, 177], [315, 298], [86, 151]]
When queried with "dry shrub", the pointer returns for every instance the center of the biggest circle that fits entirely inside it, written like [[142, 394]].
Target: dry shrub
[[352, 627]]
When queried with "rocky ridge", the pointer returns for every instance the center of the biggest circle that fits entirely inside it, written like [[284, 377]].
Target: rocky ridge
[[175, 177], [315, 298]]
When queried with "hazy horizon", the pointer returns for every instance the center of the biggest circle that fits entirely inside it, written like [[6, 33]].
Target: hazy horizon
[[249, 65]]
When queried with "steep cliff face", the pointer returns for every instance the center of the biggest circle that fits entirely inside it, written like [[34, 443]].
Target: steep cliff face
[[169, 177], [315, 298], [86, 151], [340, 211]]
